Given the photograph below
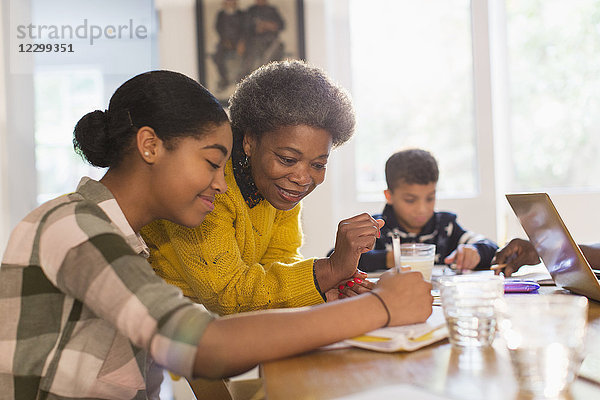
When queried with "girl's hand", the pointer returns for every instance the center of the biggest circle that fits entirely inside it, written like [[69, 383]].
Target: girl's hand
[[406, 295]]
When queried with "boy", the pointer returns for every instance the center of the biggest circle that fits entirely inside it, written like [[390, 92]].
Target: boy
[[412, 177]]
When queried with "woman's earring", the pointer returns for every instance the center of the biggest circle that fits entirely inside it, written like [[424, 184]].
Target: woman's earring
[[244, 161], [147, 154]]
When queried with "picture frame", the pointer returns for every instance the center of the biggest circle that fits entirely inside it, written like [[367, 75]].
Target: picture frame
[[237, 36]]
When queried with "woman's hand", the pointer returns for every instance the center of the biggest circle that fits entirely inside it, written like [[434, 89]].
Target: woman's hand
[[355, 236], [357, 284], [516, 253], [406, 295], [465, 257]]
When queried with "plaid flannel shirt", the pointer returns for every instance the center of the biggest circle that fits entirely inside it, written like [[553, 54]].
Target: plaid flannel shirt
[[83, 314]]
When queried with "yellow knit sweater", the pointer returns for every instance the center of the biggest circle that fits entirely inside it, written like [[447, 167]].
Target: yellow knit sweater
[[239, 259]]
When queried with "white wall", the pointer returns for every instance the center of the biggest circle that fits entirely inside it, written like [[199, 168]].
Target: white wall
[[19, 186], [327, 32], [177, 36], [3, 152]]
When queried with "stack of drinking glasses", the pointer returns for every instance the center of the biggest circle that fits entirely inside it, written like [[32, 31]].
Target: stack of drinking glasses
[[544, 334]]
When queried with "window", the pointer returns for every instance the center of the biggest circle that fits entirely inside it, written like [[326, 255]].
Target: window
[[68, 86], [554, 93], [412, 81], [61, 99], [412, 84]]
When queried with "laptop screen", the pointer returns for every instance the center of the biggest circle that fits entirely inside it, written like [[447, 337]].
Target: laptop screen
[[554, 244]]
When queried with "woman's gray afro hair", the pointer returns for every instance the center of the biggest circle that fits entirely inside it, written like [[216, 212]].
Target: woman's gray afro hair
[[291, 93]]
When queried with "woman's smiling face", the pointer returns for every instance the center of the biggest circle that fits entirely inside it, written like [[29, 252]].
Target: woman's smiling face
[[288, 163]]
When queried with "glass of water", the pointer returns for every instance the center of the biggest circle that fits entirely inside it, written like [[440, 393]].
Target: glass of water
[[471, 303], [545, 338]]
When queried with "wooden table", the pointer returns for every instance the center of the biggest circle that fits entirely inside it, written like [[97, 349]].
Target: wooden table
[[438, 368]]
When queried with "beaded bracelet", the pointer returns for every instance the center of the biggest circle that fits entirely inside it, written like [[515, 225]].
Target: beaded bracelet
[[389, 317]]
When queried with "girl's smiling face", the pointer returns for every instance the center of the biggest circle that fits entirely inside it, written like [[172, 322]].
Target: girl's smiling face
[[187, 178], [288, 163]]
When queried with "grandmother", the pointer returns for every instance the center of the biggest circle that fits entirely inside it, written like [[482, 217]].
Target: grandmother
[[286, 118]]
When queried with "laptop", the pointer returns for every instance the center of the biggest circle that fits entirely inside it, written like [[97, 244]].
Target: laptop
[[554, 244]]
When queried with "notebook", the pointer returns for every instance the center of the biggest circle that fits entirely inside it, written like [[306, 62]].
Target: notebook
[[555, 245], [404, 338]]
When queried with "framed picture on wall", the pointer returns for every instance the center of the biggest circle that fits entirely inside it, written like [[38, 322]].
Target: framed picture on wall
[[237, 36]]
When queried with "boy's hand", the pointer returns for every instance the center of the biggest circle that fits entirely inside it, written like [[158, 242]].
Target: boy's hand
[[465, 257], [389, 260]]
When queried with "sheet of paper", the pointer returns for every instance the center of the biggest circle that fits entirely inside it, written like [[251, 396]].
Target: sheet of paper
[[590, 368], [537, 273]]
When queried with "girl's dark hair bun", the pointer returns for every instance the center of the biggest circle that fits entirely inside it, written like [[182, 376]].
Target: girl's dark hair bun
[[91, 139], [170, 103]]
